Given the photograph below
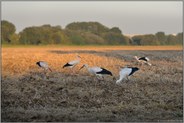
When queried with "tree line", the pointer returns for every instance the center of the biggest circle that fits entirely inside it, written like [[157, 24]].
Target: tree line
[[82, 33]]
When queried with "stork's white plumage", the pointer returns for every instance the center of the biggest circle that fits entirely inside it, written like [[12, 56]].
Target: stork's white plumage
[[126, 72], [43, 65], [73, 63], [143, 60], [99, 71]]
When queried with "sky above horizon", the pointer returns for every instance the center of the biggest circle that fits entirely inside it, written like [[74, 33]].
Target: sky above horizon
[[132, 17]]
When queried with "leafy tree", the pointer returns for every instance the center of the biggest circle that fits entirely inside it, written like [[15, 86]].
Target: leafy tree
[[82, 33], [161, 37], [171, 40], [56, 38], [7, 30], [75, 37], [179, 38], [96, 33], [114, 38], [136, 40], [93, 27], [45, 34], [149, 39], [91, 38], [115, 30], [126, 40], [14, 38]]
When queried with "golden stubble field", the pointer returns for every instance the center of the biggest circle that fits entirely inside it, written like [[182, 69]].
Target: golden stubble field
[[154, 93]]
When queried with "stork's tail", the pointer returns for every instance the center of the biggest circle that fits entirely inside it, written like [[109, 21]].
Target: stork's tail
[[149, 63]]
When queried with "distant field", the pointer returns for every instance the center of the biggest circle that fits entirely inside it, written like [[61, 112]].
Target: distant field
[[98, 47], [153, 94]]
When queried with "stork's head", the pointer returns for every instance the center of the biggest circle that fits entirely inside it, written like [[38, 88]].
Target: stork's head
[[77, 55], [37, 63], [136, 57]]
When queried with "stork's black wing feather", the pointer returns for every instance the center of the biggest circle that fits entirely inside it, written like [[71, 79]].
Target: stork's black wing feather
[[67, 65], [38, 63], [143, 58], [104, 71], [134, 69]]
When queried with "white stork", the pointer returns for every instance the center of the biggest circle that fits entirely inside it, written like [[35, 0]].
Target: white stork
[[143, 60], [73, 63], [98, 71], [43, 65], [126, 73]]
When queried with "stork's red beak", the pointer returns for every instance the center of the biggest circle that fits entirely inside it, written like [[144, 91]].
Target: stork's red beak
[[50, 70], [82, 67]]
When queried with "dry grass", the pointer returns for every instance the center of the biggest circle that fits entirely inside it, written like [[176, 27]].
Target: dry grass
[[153, 93]]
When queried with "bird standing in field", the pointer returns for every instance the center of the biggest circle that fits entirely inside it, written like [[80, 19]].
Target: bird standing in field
[[143, 60], [43, 65], [98, 71], [73, 63], [126, 73]]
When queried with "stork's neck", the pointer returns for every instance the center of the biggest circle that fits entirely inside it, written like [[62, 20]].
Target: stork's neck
[[136, 58], [86, 66], [78, 58]]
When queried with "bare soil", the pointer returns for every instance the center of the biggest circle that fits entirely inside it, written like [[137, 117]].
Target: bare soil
[[154, 93]]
